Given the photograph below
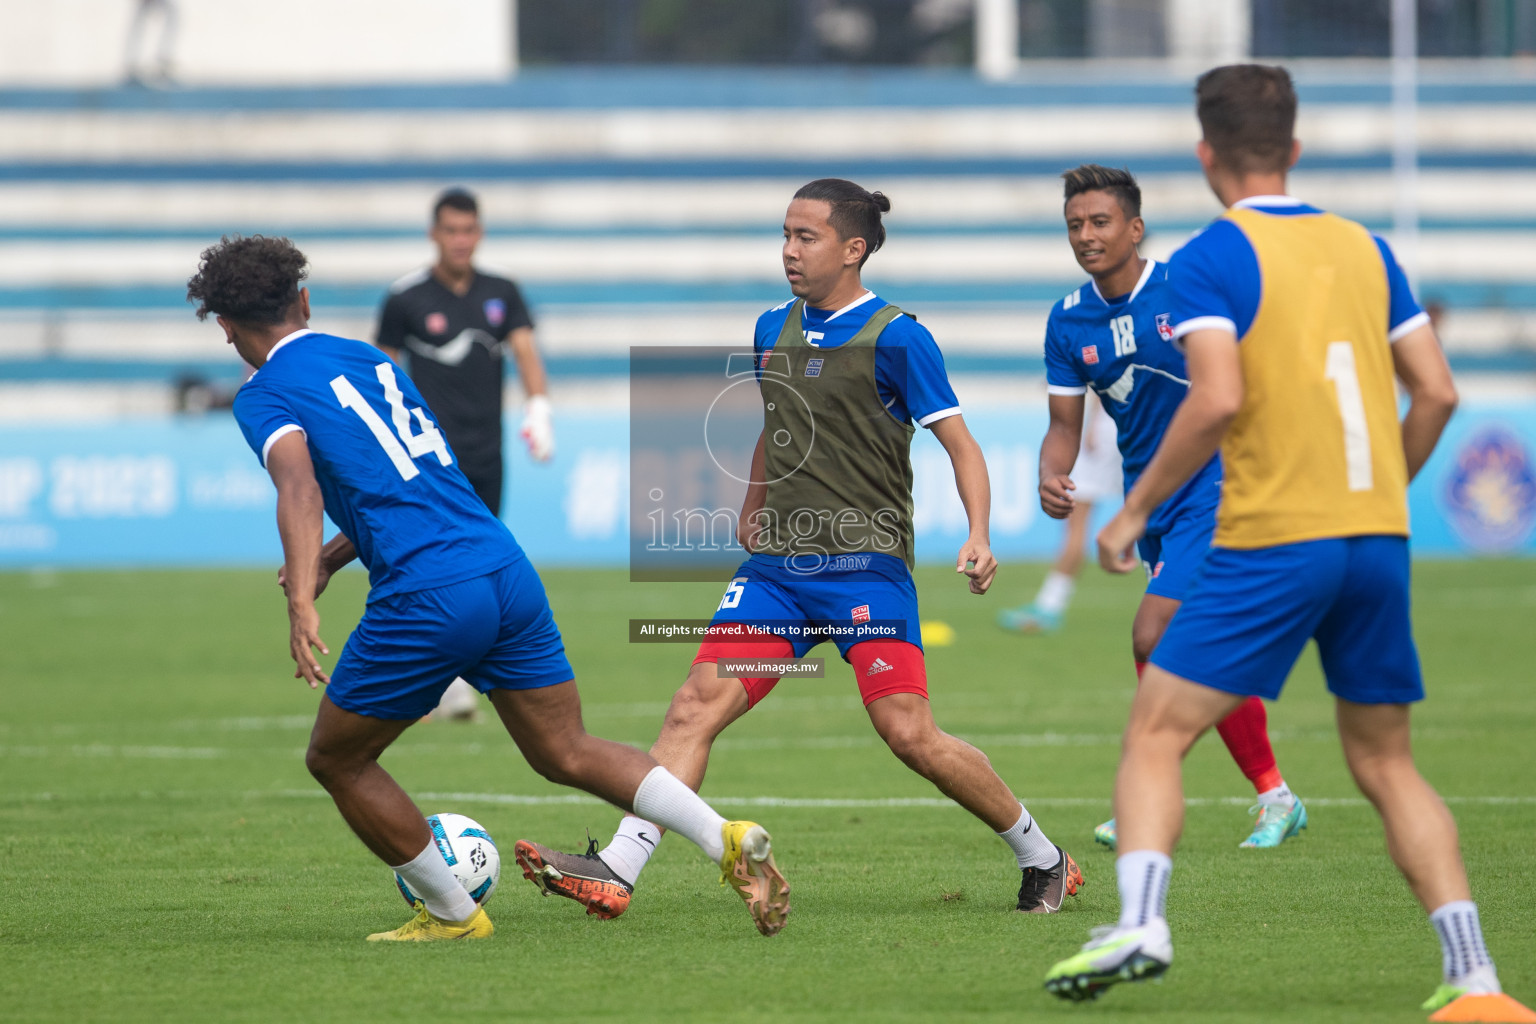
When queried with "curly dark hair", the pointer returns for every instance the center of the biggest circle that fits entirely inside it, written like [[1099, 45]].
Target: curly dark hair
[[250, 280]]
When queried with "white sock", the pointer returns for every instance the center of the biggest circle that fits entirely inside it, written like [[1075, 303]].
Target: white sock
[[630, 848], [1143, 877], [663, 798], [430, 877], [1055, 593], [1281, 794], [1466, 959], [1029, 844]]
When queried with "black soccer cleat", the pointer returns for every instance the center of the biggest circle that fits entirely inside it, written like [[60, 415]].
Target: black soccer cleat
[[1042, 890]]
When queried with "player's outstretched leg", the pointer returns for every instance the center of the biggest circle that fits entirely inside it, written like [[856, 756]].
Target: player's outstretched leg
[[546, 724], [603, 880], [1281, 813], [1422, 841], [1167, 716], [1045, 612], [1048, 874], [343, 755]]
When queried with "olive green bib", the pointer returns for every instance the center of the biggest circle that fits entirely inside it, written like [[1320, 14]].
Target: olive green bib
[[839, 466]]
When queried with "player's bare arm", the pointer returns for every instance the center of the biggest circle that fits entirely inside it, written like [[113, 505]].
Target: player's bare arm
[[300, 524], [538, 428], [747, 527], [530, 365], [1058, 453], [1420, 364], [1194, 435], [975, 558], [338, 551]]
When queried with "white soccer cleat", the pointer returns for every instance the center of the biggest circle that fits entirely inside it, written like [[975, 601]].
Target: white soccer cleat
[[1113, 955]]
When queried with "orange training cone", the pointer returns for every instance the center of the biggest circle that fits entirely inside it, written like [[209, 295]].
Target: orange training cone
[[1499, 1009]]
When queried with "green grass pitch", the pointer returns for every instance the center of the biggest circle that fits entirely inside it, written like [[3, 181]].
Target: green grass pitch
[[164, 856]]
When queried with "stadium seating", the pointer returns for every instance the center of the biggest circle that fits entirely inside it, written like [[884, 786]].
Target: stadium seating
[[643, 206]]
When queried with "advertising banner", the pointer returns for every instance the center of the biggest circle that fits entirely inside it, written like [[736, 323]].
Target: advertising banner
[[187, 491]]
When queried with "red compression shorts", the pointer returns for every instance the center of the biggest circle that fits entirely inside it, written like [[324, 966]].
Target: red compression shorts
[[882, 667]]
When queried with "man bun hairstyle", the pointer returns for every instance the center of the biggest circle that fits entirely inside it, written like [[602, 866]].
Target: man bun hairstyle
[[461, 199], [1248, 115], [1118, 182], [251, 280], [855, 212]]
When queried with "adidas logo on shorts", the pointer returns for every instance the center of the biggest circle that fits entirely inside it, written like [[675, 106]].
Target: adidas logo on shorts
[[879, 665]]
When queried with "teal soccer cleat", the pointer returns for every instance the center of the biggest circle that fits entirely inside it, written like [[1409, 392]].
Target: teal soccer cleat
[[1105, 834], [1274, 826], [1113, 955], [1029, 619]]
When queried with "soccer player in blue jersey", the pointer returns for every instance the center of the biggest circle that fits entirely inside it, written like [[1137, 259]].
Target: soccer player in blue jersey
[[1115, 335], [1294, 323], [828, 524], [342, 431]]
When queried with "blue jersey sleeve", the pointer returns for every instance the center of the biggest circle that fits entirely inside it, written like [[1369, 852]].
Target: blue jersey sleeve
[[909, 371], [1404, 314], [264, 415], [1062, 375], [1215, 282]]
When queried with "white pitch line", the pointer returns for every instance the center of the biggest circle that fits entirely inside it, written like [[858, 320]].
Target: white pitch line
[[444, 743], [803, 803]]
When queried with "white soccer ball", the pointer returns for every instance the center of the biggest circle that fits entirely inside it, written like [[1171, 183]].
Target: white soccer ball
[[470, 852]]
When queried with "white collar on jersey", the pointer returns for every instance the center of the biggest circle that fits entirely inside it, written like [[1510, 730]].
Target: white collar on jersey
[[296, 334], [1146, 275], [1255, 201], [852, 305]]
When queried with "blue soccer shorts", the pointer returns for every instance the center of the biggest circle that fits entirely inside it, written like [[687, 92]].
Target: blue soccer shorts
[[496, 631], [873, 620], [1171, 558], [1249, 613]]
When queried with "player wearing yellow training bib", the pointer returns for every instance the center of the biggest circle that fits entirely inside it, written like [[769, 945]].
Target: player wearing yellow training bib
[[1294, 323]]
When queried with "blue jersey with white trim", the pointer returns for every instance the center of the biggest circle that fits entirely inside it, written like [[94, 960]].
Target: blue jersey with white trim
[[389, 480], [1123, 349], [909, 368]]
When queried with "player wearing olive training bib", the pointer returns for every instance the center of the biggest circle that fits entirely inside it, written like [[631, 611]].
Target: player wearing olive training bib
[[828, 520]]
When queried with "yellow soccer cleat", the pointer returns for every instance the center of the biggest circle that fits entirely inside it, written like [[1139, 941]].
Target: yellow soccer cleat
[[426, 928], [749, 869]]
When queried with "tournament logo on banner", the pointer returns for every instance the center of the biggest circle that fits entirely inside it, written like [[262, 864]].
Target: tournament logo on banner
[[1491, 492]]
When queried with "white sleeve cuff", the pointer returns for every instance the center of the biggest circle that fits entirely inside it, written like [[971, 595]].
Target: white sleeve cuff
[[1066, 392], [1204, 323], [1408, 326], [942, 414], [266, 446]]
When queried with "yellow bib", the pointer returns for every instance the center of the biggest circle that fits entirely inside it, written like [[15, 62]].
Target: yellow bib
[[1316, 450]]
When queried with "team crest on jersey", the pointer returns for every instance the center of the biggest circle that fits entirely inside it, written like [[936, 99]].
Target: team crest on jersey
[[1491, 494], [1091, 354], [1164, 326], [813, 367], [437, 323], [495, 312], [861, 613]]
